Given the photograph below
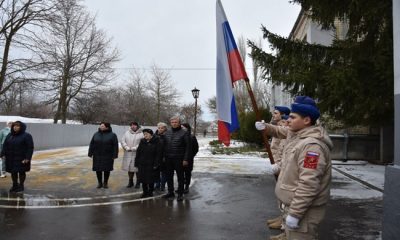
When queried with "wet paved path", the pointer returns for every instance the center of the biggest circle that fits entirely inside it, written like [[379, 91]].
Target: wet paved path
[[226, 201], [219, 206]]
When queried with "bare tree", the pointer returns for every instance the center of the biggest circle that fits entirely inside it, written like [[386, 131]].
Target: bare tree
[[164, 93], [89, 108], [187, 113], [23, 101], [137, 99], [17, 18], [9, 100], [242, 98], [77, 57], [261, 88], [212, 104]]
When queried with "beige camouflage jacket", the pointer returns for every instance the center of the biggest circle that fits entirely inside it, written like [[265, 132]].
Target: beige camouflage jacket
[[305, 175], [275, 148]]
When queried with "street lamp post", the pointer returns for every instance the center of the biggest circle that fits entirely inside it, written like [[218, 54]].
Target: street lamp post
[[195, 93]]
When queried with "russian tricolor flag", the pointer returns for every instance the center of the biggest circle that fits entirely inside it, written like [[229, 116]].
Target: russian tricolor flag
[[230, 68]]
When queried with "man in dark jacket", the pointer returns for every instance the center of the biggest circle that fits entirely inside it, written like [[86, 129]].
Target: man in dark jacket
[[177, 154]]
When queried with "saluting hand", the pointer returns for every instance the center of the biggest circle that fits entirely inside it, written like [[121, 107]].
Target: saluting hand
[[260, 125]]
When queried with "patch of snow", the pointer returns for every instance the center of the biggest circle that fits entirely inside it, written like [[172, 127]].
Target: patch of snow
[[32, 120], [344, 187], [246, 164], [370, 173]]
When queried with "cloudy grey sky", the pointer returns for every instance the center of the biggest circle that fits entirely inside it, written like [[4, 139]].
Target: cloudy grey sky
[[181, 35]]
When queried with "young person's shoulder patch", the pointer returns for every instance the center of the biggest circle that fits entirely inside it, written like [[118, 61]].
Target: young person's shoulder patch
[[311, 160]]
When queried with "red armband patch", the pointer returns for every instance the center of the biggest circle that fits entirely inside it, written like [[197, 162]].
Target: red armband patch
[[311, 160]]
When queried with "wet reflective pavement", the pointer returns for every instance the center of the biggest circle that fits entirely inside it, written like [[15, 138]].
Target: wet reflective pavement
[[61, 202], [219, 206]]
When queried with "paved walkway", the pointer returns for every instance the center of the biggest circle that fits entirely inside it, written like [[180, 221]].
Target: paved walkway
[[230, 198]]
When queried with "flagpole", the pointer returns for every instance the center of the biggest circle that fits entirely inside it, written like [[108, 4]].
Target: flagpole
[[258, 118]]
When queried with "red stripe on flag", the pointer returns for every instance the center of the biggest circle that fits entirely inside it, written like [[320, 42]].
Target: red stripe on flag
[[223, 133], [236, 66]]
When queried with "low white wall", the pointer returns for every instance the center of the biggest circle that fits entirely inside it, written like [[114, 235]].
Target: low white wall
[[48, 136]]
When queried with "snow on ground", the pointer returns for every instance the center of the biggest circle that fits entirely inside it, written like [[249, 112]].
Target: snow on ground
[[241, 164], [32, 120], [371, 173], [342, 186], [206, 162]]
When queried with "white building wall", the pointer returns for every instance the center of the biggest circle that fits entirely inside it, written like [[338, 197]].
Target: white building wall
[[316, 35], [309, 31]]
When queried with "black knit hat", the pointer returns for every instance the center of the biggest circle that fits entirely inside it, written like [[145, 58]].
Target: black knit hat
[[148, 130]]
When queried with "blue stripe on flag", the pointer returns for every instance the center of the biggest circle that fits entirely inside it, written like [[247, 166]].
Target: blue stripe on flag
[[234, 117], [230, 43]]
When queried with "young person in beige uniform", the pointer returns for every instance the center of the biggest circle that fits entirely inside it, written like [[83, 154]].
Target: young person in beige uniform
[[279, 115], [304, 180], [277, 223]]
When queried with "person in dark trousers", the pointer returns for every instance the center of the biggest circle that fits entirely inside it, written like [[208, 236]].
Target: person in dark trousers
[[177, 154], [103, 149], [17, 151], [162, 179], [148, 156], [187, 170]]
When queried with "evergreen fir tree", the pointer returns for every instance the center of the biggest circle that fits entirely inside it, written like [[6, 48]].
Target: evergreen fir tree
[[353, 78]]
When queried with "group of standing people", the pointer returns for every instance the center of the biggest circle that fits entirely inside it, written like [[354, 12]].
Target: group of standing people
[[153, 156], [301, 148]]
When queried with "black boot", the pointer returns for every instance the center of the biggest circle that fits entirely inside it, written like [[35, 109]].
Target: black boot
[[20, 188], [130, 184], [137, 185], [169, 195], [186, 190], [105, 185], [144, 195], [100, 185], [13, 188], [179, 198]]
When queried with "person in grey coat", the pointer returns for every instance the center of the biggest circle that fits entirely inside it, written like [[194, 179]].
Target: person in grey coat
[[3, 134], [17, 151], [103, 149]]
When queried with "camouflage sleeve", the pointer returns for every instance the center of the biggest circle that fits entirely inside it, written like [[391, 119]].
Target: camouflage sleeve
[[276, 131], [312, 166], [275, 147]]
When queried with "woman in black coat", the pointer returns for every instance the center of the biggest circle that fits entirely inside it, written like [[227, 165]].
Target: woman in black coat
[[18, 150], [148, 156], [103, 149]]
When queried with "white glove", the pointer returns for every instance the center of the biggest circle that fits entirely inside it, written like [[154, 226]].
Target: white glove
[[260, 125], [127, 148], [292, 222], [133, 148], [275, 168]]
